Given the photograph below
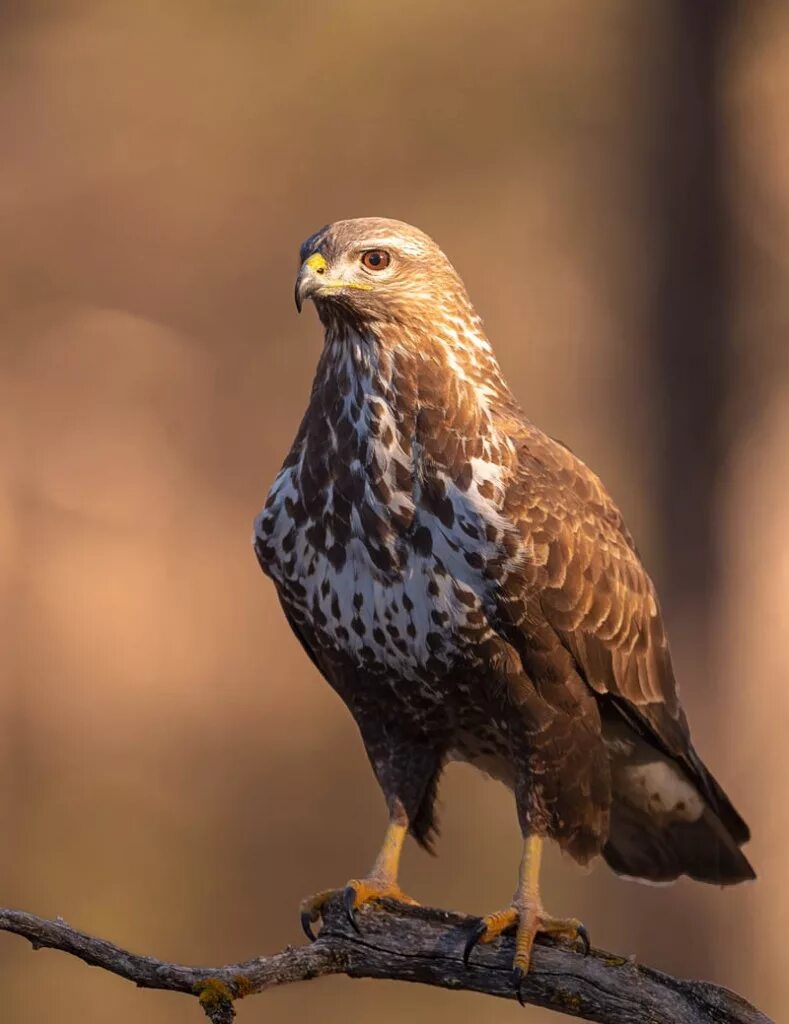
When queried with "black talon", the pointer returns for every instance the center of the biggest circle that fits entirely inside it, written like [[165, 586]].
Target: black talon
[[518, 978], [348, 901], [306, 924], [476, 934], [583, 935]]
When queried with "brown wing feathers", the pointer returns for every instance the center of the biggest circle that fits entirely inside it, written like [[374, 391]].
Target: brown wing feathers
[[601, 603]]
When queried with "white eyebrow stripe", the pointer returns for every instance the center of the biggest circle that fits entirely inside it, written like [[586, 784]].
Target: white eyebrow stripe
[[411, 248]]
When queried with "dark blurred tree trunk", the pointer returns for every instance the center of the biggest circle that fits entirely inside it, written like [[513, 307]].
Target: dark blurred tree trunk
[[691, 345]]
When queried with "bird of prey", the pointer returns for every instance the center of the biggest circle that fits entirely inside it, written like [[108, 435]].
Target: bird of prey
[[471, 592]]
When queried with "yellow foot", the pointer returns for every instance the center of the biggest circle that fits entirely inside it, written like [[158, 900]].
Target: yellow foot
[[526, 923], [355, 894]]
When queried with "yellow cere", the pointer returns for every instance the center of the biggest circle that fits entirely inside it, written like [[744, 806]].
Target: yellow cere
[[316, 262]]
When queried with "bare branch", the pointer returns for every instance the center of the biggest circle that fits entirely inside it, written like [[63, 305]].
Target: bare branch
[[422, 945]]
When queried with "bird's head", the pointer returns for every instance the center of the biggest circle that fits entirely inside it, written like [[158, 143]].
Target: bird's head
[[372, 270]]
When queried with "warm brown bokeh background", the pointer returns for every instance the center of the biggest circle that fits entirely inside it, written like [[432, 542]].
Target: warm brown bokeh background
[[612, 180]]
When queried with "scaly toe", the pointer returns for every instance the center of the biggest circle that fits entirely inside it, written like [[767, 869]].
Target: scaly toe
[[354, 895], [369, 890], [533, 922], [568, 930], [311, 908], [489, 928]]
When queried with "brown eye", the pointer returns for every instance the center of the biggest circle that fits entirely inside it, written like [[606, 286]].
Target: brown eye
[[376, 259]]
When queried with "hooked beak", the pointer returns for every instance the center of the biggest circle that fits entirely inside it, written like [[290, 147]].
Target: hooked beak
[[310, 279]]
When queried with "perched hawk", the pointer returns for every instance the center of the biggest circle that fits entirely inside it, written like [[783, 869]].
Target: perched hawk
[[469, 589]]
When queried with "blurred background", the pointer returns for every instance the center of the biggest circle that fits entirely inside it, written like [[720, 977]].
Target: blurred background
[[612, 181]]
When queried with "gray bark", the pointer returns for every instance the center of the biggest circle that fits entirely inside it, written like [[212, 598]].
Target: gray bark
[[422, 945]]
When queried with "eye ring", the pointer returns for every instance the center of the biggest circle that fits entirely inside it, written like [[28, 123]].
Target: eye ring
[[376, 259]]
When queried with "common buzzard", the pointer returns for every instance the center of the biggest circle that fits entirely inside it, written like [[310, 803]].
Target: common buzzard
[[469, 589]]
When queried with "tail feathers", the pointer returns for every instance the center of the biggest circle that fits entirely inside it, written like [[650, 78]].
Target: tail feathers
[[721, 804], [669, 817], [643, 847]]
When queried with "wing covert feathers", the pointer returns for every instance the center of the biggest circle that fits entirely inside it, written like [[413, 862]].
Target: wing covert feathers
[[595, 594]]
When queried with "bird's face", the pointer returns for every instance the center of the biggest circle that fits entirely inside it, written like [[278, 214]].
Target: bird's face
[[371, 270]]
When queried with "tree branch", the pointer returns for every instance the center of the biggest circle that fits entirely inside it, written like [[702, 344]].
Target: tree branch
[[422, 945]]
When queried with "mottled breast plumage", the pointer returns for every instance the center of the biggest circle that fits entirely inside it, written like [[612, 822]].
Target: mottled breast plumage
[[373, 532]]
